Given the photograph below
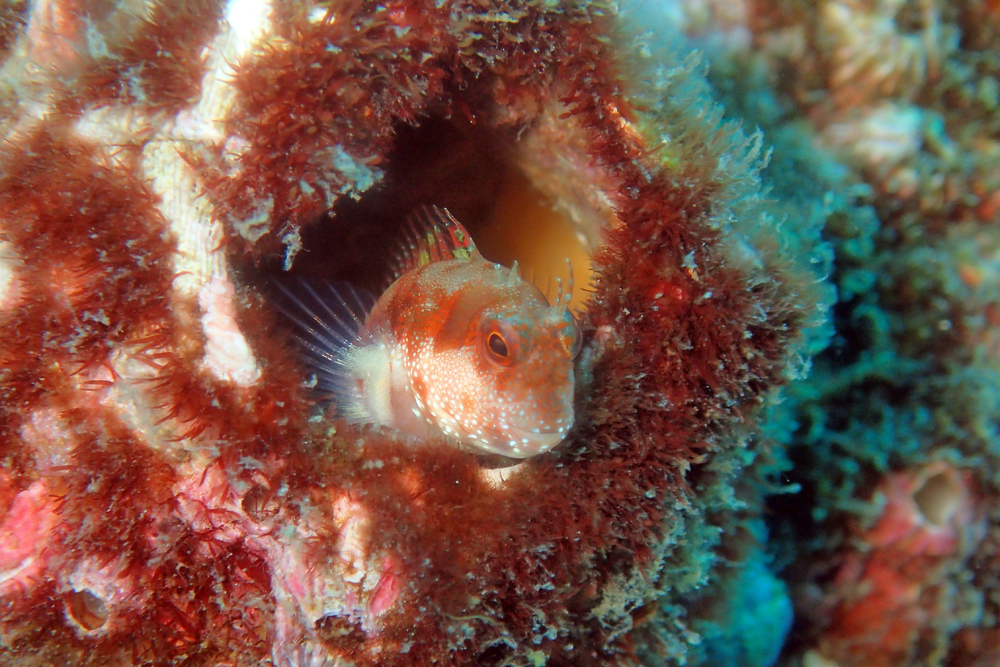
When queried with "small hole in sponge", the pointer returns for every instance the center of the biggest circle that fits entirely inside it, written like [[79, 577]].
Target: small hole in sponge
[[87, 609], [255, 503], [938, 498]]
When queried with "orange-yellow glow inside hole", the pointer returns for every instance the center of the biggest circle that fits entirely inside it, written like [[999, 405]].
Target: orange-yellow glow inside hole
[[87, 609], [524, 227], [939, 498]]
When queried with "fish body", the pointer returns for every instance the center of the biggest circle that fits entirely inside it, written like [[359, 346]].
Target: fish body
[[455, 347]]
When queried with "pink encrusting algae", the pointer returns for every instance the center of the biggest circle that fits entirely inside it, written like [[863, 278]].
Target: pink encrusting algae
[[887, 591]]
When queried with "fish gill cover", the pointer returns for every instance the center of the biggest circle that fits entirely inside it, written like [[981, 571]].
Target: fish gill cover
[[171, 491]]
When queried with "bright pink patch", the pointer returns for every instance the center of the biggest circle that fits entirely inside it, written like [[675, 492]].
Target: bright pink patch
[[24, 533], [386, 590]]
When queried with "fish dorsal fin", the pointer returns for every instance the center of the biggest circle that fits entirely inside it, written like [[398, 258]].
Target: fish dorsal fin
[[433, 235]]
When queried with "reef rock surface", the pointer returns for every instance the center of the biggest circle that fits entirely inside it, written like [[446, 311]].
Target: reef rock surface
[[172, 493]]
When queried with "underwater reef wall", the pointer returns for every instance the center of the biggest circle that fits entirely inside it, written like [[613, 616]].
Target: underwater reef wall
[[786, 398], [884, 115]]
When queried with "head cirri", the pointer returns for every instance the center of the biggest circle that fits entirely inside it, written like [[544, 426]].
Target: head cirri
[[456, 347]]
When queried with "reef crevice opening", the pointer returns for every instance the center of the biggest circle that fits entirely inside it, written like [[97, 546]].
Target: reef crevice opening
[[480, 170]]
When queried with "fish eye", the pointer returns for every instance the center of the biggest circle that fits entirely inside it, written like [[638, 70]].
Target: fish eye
[[497, 345], [500, 343]]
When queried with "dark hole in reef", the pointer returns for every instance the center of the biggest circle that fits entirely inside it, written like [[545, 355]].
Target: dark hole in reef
[[468, 168], [938, 498], [856, 333], [340, 633], [87, 609], [256, 503], [444, 162], [497, 654]]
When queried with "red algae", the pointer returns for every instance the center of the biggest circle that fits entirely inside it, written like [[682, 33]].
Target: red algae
[[71, 236], [13, 18], [179, 497], [153, 62]]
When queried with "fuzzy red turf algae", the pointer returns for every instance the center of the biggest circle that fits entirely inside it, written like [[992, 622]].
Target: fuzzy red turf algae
[[164, 496]]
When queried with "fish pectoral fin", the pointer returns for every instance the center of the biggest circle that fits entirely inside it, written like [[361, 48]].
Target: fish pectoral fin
[[329, 321]]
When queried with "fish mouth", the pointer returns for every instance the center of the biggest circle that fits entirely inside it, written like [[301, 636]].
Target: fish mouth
[[515, 443], [537, 442]]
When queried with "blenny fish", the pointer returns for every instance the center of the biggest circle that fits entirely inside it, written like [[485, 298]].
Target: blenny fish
[[456, 347]]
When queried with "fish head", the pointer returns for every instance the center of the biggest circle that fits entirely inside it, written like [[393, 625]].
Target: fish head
[[526, 353], [510, 370]]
